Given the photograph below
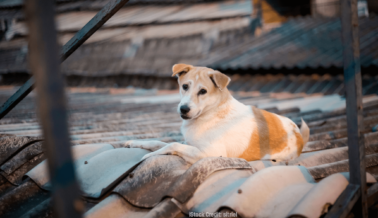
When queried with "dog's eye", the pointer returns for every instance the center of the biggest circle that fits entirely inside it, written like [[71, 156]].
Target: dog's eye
[[185, 87], [202, 92]]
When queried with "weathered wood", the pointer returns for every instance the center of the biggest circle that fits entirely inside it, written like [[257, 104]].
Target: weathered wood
[[75, 42], [44, 63], [345, 202], [354, 107]]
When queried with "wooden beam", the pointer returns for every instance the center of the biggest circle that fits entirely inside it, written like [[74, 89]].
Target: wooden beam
[[345, 202], [75, 42], [352, 81], [51, 102]]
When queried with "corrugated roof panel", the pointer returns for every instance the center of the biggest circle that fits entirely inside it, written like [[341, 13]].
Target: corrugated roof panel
[[261, 188], [136, 15], [81, 153], [101, 172], [167, 186]]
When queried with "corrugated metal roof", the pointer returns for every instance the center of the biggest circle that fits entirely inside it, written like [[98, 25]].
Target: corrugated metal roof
[[226, 44], [148, 15], [150, 39], [300, 42], [116, 184], [95, 4]]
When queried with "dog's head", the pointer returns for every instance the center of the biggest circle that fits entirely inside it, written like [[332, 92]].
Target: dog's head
[[201, 89]]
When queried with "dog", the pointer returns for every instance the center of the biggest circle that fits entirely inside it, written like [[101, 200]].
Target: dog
[[216, 124]]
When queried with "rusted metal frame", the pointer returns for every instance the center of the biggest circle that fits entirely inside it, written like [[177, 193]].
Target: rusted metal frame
[[44, 63], [354, 110], [345, 202], [76, 41]]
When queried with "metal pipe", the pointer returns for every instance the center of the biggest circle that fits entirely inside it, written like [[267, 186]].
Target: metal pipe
[[44, 63], [355, 197]]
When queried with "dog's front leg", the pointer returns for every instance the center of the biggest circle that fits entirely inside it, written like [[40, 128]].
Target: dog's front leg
[[189, 153], [148, 145]]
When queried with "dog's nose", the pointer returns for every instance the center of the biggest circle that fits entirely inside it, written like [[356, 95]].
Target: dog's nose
[[184, 109]]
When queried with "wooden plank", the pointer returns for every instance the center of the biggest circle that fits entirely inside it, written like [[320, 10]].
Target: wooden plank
[[75, 42], [345, 202], [354, 107], [51, 101]]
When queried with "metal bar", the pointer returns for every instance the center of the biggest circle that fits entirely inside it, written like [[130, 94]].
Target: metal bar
[[92, 26], [75, 42], [345, 202], [44, 63], [20, 94], [354, 107]]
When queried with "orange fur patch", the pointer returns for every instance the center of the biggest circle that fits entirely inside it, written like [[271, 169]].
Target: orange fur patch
[[268, 137]]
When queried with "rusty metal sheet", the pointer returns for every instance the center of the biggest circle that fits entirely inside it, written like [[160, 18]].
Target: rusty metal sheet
[[114, 206], [262, 187], [21, 199], [81, 153], [17, 176], [22, 157], [168, 175], [151, 180], [9, 145], [101, 172]]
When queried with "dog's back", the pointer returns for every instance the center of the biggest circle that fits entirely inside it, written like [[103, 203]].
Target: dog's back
[[274, 137]]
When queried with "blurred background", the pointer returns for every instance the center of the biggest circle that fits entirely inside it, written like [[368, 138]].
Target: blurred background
[[283, 56], [266, 46]]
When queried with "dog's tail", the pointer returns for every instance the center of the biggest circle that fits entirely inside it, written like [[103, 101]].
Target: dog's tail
[[305, 132]]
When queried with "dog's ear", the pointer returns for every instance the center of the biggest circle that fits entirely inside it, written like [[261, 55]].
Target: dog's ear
[[179, 69], [219, 79]]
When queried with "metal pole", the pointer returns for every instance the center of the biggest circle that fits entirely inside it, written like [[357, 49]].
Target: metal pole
[[355, 195], [44, 63], [75, 42], [352, 81]]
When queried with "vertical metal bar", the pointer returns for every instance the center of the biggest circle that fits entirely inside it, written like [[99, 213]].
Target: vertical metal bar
[[352, 81], [44, 63], [75, 42]]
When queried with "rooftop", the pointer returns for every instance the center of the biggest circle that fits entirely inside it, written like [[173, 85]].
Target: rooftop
[[115, 184]]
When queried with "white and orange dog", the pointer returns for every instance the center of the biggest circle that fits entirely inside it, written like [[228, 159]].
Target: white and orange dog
[[216, 124]]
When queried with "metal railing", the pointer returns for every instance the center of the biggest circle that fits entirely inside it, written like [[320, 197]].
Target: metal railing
[[44, 63]]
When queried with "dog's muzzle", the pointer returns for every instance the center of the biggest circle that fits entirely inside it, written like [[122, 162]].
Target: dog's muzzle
[[184, 109]]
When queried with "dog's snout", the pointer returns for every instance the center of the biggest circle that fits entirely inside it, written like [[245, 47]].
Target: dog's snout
[[184, 109]]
